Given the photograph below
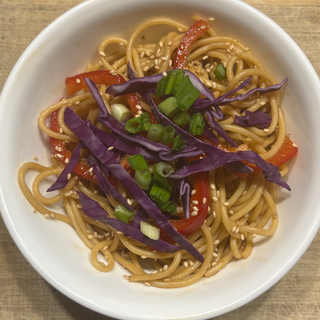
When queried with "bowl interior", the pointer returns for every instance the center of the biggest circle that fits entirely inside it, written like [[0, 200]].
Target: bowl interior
[[55, 250]]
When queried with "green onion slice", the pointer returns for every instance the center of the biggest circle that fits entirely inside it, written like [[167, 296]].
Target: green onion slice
[[160, 192], [149, 230], [160, 179], [143, 178], [220, 72], [138, 162], [155, 132], [144, 121], [175, 76], [133, 125], [182, 118], [163, 169], [170, 207], [168, 135], [120, 112], [196, 124], [123, 213], [178, 144], [169, 106], [186, 94]]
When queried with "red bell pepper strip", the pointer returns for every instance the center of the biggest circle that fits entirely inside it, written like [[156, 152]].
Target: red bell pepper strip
[[76, 83], [58, 148], [193, 34], [201, 186]]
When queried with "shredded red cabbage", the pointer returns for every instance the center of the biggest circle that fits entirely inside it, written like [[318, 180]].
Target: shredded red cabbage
[[93, 210], [259, 119]]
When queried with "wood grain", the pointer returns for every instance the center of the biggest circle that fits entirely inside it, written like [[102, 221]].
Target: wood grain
[[24, 295]]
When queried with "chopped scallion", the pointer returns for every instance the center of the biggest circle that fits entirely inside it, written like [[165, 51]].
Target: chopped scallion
[[149, 230], [220, 72], [161, 179], [120, 112], [138, 162], [161, 85], [163, 169], [175, 76], [169, 106], [155, 132], [123, 213], [144, 121], [170, 207], [143, 178], [160, 192], [196, 124], [133, 125], [186, 94], [168, 135], [178, 144], [182, 118]]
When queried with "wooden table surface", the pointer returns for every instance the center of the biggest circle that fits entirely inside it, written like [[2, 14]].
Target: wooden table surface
[[24, 295]]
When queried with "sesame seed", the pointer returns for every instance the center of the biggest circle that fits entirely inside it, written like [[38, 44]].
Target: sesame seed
[[91, 169], [129, 202], [218, 193], [59, 155], [214, 255], [110, 148], [66, 160], [193, 192], [52, 215], [47, 216], [231, 46], [213, 263], [102, 53], [205, 57], [234, 229], [170, 63], [136, 116], [204, 200], [211, 19], [142, 55], [214, 214], [138, 107], [231, 212], [156, 67], [202, 27], [212, 186], [226, 203], [147, 284], [266, 130], [166, 280], [69, 176], [195, 202], [79, 206], [69, 193], [164, 74], [242, 237], [254, 235], [246, 49], [237, 230], [126, 277], [214, 198], [78, 80], [194, 213], [160, 44], [186, 264], [164, 58], [143, 257], [169, 43], [214, 85], [195, 208], [165, 267], [119, 232], [100, 236], [145, 68], [294, 145], [180, 29], [35, 157], [80, 183], [148, 53], [216, 242], [34, 210]]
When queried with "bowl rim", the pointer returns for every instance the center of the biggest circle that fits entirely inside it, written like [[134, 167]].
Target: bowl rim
[[89, 304]]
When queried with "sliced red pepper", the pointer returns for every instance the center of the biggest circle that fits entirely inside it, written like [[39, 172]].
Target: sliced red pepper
[[193, 34], [58, 148], [76, 83], [201, 186]]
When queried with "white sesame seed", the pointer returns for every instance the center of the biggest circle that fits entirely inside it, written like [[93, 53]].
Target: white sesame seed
[[191, 263], [234, 229], [126, 277], [79, 206], [66, 160], [47, 216], [180, 29], [102, 53], [34, 210], [202, 27], [214, 85], [237, 230], [242, 237], [193, 192], [216, 242], [148, 53], [254, 235], [213, 263], [91, 169], [52, 215], [169, 43], [100, 63], [78, 80], [226, 203], [119, 232], [143, 257], [69, 193], [231, 212], [100, 236], [164, 58], [166, 280], [215, 199], [195, 208], [211, 19], [205, 57], [164, 74], [110, 148], [142, 54], [182, 46], [294, 145], [145, 68], [138, 107], [170, 63], [214, 255], [160, 44], [186, 264], [195, 202], [165, 267], [69, 176], [59, 155], [266, 130], [35, 157], [204, 200], [231, 46], [129, 202], [136, 116], [212, 186], [194, 213], [214, 214]]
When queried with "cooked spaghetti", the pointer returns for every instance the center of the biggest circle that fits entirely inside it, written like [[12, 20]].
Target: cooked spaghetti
[[227, 209]]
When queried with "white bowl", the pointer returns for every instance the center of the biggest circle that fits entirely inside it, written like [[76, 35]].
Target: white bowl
[[55, 251]]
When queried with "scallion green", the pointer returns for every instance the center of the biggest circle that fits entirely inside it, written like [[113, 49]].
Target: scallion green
[[123, 213], [186, 94], [155, 132], [220, 72], [175, 76], [196, 124], [149, 230], [163, 169], [178, 144], [120, 112], [144, 121], [160, 192], [169, 106], [169, 207], [182, 118], [160, 179], [161, 85], [138, 162], [168, 135], [133, 125], [143, 178]]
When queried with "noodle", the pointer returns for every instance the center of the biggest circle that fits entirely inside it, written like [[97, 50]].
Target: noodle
[[240, 207]]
